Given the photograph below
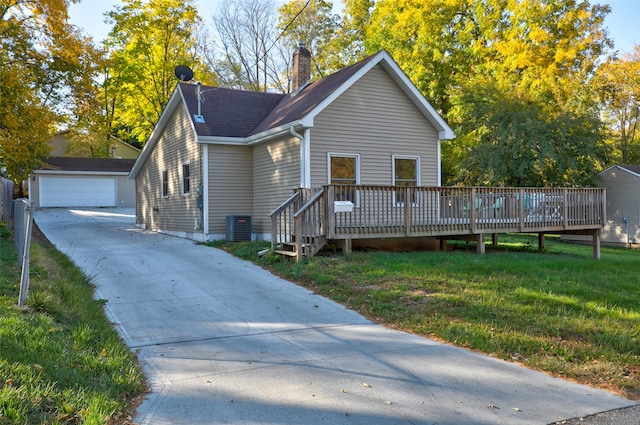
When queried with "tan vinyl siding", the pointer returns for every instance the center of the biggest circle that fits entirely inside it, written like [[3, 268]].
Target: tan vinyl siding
[[623, 198], [176, 212], [230, 180], [376, 120], [276, 167]]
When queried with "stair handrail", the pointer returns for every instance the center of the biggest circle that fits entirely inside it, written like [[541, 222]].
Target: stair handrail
[[281, 220], [308, 231], [313, 199], [285, 204]]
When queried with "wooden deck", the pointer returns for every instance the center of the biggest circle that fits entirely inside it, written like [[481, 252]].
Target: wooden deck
[[304, 223]]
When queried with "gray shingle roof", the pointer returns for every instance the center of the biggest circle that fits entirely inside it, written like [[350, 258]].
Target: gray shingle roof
[[64, 163], [238, 113], [228, 112]]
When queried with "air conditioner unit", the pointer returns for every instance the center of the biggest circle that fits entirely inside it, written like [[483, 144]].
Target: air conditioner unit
[[238, 228]]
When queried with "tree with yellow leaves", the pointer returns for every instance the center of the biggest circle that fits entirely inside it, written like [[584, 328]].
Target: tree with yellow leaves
[[618, 83], [522, 54], [46, 70], [147, 41]]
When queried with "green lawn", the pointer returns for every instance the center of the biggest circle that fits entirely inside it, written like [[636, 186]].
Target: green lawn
[[61, 361], [559, 311]]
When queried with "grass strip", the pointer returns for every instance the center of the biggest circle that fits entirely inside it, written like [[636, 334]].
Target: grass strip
[[559, 311], [61, 361]]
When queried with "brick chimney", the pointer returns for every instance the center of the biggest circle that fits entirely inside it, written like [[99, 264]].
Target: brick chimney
[[301, 69]]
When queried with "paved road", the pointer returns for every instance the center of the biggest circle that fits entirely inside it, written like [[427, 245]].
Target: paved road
[[223, 341]]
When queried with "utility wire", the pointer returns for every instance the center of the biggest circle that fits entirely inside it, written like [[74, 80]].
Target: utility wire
[[284, 30]]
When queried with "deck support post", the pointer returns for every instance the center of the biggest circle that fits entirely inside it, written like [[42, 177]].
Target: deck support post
[[347, 246], [596, 244], [494, 239], [540, 241], [480, 239]]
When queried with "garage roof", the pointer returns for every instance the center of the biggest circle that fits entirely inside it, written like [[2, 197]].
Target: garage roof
[[60, 163]]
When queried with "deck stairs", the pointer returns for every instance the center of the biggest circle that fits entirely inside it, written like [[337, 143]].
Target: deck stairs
[[298, 225]]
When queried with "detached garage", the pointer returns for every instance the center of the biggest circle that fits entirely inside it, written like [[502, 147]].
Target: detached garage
[[83, 182]]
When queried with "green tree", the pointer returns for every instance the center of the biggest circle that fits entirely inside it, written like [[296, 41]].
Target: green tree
[[618, 83], [348, 43], [511, 141], [147, 41], [46, 73]]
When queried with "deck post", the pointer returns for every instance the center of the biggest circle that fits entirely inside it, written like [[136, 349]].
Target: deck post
[[274, 229], [596, 244], [481, 247], [521, 210], [472, 210], [494, 239], [565, 209], [330, 195], [540, 241], [407, 211], [347, 246], [297, 224]]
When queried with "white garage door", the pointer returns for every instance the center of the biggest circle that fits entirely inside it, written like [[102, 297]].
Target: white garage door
[[77, 192]]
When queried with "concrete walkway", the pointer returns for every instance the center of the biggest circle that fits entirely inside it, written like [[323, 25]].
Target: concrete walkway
[[223, 341]]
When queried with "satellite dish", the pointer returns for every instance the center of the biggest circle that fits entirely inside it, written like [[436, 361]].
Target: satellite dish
[[184, 73]]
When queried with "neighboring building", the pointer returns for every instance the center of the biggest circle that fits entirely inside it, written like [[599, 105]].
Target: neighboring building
[[622, 226], [117, 149], [82, 182], [623, 203], [219, 152], [122, 150]]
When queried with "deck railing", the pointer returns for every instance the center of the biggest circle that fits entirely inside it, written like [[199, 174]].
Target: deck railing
[[310, 226], [384, 211], [311, 216]]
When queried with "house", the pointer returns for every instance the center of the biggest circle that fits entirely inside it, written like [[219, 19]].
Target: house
[[349, 159], [622, 225], [219, 153], [82, 182]]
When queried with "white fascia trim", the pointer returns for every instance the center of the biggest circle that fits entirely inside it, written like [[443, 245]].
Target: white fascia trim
[[80, 173], [215, 140], [620, 168], [176, 99]]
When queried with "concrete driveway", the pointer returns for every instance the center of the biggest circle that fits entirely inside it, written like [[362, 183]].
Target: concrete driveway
[[223, 341]]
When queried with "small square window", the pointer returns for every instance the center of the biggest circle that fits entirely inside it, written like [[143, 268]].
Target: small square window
[[344, 172], [405, 174]]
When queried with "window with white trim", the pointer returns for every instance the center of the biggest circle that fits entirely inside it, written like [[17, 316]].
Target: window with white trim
[[406, 173], [186, 179], [344, 169], [164, 183]]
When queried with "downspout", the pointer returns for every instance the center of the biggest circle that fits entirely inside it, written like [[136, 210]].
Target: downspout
[[439, 162], [205, 190], [305, 155]]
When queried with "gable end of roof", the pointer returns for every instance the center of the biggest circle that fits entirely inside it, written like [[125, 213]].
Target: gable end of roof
[[632, 169]]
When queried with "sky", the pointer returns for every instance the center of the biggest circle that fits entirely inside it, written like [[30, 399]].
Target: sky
[[622, 22]]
